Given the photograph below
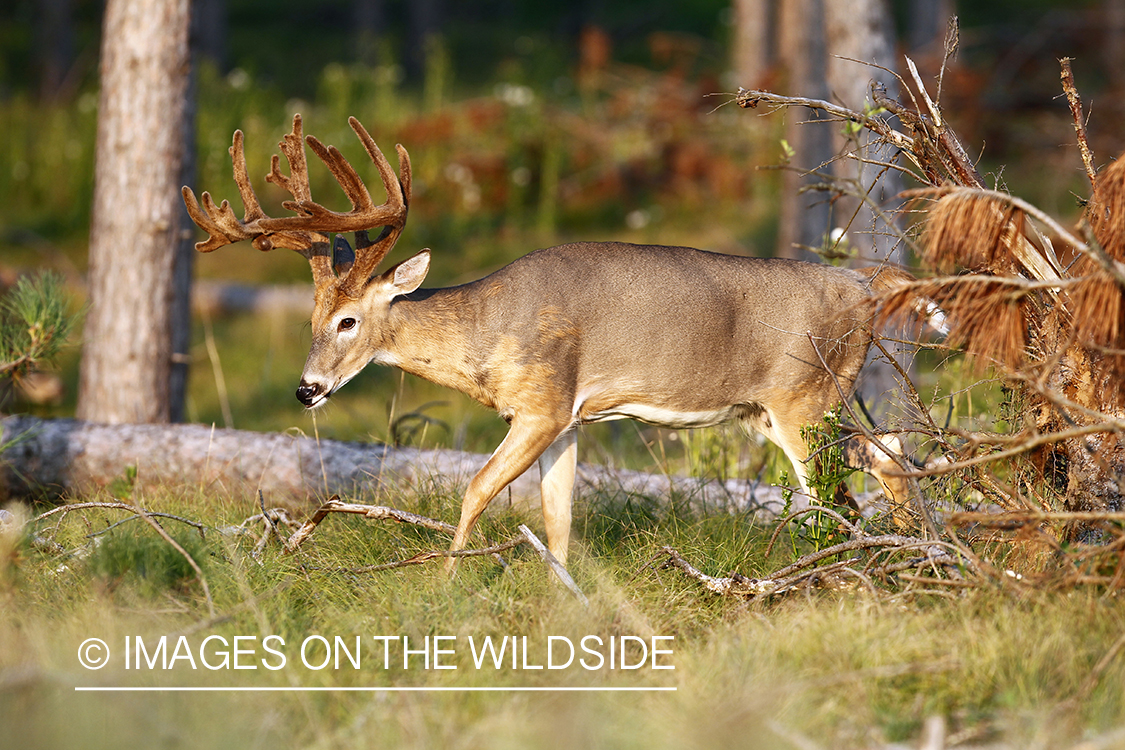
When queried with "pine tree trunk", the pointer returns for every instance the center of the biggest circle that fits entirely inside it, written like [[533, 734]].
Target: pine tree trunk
[[136, 222], [754, 46], [804, 216], [862, 30]]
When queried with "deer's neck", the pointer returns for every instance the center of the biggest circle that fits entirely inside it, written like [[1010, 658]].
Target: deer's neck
[[437, 334]]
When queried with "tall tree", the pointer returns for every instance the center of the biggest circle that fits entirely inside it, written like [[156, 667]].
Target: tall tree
[[137, 221], [804, 215], [861, 36], [754, 45]]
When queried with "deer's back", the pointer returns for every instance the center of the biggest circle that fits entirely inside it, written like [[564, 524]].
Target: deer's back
[[655, 324]]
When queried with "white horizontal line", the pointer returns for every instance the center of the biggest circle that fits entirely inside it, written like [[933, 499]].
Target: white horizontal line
[[467, 689]]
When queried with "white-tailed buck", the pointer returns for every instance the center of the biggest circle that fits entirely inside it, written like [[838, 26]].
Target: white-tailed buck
[[566, 336]]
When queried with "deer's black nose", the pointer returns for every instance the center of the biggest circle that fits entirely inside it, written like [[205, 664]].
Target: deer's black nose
[[307, 393]]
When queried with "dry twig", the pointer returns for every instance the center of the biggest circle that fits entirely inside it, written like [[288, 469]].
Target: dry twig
[[379, 512]]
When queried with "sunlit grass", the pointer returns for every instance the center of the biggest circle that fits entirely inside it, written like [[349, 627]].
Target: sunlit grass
[[841, 669]]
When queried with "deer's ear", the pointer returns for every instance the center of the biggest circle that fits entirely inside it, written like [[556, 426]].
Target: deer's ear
[[408, 275]]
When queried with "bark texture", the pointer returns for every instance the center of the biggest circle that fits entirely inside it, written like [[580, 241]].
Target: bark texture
[[66, 456], [805, 216], [137, 213], [862, 30], [755, 42]]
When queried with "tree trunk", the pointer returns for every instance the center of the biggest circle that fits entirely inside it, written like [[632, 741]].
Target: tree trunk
[[209, 25], [67, 456], [928, 23], [55, 48], [137, 214], [862, 30], [755, 42], [804, 216]]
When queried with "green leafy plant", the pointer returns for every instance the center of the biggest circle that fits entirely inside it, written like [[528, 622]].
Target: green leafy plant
[[827, 469], [827, 474]]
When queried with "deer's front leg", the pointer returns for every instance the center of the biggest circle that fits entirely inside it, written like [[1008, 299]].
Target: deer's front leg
[[528, 438]]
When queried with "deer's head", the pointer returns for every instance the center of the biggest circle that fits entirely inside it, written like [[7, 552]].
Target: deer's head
[[351, 302]]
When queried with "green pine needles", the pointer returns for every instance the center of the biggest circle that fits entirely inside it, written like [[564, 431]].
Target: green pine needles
[[34, 323]]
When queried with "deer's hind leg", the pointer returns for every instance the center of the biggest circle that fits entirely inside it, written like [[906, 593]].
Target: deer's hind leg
[[557, 467], [781, 423]]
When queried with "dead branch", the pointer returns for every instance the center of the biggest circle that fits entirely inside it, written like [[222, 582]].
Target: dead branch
[[553, 563], [879, 541], [735, 585], [382, 513], [751, 99], [375, 512], [70, 507], [428, 555], [1029, 444], [148, 517], [1014, 519], [805, 571], [1067, 76]]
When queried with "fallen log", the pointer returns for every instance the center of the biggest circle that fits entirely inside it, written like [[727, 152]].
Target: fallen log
[[222, 297], [65, 456]]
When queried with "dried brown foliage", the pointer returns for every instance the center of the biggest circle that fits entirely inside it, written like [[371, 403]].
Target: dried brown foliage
[[1106, 212], [1042, 303], [1097, 303], [987, 315], [970, 231]]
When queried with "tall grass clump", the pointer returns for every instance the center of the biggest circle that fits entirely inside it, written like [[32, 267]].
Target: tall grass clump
[[135, 554]]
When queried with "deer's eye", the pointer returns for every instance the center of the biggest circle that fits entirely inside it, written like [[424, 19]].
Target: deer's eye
[[347, 324]]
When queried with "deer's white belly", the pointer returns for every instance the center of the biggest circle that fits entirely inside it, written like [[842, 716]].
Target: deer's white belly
[[663, 416]]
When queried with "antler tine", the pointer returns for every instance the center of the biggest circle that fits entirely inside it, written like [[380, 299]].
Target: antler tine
[[297, 183], [295, 232], [364, 214], [220, 223], [369, 254], [404, 175]]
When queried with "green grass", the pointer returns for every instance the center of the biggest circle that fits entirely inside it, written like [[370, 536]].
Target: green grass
[[840, 669]]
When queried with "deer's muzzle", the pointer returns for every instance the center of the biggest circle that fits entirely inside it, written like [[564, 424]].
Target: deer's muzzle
[[310, 394]]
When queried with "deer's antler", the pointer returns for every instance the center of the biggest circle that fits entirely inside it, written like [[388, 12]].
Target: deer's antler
[[306, 232]]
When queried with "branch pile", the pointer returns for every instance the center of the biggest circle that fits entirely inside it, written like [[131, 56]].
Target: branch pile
[[1043, 306]]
